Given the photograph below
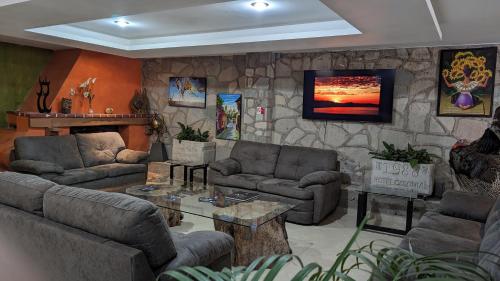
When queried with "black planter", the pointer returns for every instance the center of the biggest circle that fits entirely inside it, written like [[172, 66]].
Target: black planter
[[158, 152]]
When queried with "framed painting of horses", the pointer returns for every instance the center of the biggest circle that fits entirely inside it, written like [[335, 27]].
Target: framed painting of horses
[[187, 92], [467, 82]]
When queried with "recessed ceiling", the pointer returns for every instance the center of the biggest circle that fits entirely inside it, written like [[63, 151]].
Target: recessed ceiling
[[230, 22], [159, 28]]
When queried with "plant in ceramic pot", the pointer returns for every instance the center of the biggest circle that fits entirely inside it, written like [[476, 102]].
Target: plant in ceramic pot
[[193, 145], [410, 169]]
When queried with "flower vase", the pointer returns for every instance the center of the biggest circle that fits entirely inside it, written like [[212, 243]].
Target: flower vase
[[91, 111]]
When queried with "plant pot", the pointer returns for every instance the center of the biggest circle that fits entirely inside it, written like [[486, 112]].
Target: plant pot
[[193, 151], [400, 175], [158, 152]]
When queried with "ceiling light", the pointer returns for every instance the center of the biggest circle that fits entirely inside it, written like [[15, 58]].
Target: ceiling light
[[11, 2], [260, 5], [121, 22]]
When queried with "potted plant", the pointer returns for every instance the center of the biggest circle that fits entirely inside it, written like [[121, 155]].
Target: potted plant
[[410, 169], [193, 146]]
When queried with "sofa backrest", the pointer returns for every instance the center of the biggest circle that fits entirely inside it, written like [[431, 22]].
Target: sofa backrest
[[23, 191], [43, 250], [62, 150], [295, 162], [256, 158], [119, 217], [99, 148]]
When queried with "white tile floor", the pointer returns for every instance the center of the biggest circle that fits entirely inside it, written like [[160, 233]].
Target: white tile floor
[[319, 244]]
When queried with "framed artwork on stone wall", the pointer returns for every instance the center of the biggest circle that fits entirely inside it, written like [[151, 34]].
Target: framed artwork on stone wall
[[187, 92], [467, 82], [228, 126]]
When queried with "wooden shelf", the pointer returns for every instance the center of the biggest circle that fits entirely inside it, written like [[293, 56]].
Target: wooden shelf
[[59, 120]]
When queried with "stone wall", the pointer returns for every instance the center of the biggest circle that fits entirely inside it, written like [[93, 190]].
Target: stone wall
[[275, 81]]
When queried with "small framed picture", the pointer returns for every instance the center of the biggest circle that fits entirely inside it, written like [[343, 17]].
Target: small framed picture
[[228, 125], [187, 92], [467, 82]]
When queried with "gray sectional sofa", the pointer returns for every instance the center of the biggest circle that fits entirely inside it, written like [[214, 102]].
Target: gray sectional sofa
[[305, 177], [464, 222], [94, 161], [52, 232]]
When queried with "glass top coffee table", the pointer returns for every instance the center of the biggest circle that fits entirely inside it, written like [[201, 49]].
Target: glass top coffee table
[[257, 225]]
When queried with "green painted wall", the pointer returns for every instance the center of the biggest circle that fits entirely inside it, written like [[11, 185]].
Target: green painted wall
[[19, 70]]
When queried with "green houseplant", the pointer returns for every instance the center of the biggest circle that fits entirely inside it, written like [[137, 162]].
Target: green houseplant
[[190, 134], [192, 145], [381, 262], [410, 155]]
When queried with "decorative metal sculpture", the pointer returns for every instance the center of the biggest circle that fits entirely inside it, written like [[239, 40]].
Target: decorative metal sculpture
[[140, 102], [157, 126], [44, 92]]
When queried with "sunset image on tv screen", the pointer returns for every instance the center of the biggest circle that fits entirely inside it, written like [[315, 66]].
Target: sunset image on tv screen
[[355, 95]]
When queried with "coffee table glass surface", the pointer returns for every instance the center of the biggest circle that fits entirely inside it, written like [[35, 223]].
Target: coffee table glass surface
[[211, 202]]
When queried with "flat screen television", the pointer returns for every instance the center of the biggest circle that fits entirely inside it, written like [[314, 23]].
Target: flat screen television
[[349, 95]]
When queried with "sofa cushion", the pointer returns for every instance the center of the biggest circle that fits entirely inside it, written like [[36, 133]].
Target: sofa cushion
[[119, 217], [226, 167], [200, 248], [466, 205], [23, 191], [295, 162], [62, 150], [99, 148], [36, 167], [319, 177], [451, 225], [120, 169], [74, 176], [129, 156], [288, 188], [429, 242], [245, 181], [256, 158]]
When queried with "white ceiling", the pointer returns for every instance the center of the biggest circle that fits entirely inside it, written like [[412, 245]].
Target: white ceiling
[[210, 27]]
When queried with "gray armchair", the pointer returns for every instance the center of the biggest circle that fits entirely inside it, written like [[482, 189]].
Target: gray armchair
[[305, 177]]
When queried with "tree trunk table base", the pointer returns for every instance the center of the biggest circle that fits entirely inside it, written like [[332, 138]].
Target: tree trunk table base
[[266, 240], [173, 218]]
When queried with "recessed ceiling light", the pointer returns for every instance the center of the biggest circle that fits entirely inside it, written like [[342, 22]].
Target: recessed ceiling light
[[11, 2], [260, 5], [121, 22]]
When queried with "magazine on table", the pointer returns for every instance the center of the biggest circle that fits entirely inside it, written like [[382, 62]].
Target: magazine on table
[[242, 196]]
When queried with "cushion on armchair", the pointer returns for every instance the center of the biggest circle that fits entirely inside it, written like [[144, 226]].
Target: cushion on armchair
[[466, 205], [319, 177], [128, 156], [226, 167], [36, 167]]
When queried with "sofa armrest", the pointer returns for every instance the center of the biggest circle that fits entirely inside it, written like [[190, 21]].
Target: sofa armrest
[[319, 177], [226, 167], [36, 167], [129, 156], [466, 205]]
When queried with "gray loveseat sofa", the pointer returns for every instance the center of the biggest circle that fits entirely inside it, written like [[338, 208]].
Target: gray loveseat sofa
[[305, 177], [94, 161], [464, 222], [51, 232]]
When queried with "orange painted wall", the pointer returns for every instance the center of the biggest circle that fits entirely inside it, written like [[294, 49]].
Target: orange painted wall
[[117, 80]]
